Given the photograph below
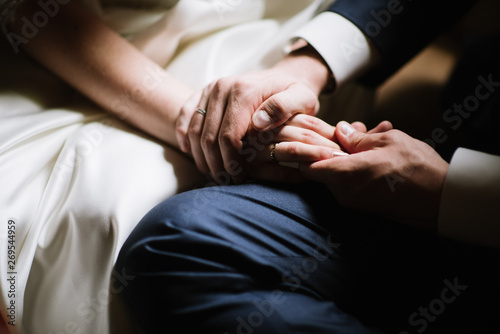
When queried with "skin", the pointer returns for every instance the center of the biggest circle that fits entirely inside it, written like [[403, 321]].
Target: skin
[[260, 100], [118, 76], [302, 139], [84, 52], [386, 172]]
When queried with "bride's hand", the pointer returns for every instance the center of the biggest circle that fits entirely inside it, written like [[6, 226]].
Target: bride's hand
[[303, 138], [260, 100], [272, 155]]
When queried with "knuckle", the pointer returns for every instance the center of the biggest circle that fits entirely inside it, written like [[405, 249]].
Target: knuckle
[[208, 141], [227, 139], [275, 107], [311, 103], [325, 153], [183, 113], [211, 85], [309, 100], [181, 131], [222, 86], [240, 86], [358, 144], [311, 122], [179, 125], [306, 136], [390, 136], [184, 118], [193, 133], [292, 149], [218, 88]]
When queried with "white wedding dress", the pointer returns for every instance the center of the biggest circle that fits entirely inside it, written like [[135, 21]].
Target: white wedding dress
[[74, 181]]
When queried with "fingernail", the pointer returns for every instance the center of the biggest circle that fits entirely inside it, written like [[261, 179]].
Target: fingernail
[[345, 128], [339, 154], [261, 120]]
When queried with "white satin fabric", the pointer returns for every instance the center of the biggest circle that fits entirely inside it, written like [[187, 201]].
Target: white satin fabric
[[74, 181]]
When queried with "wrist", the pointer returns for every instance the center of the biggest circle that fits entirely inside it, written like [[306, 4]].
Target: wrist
[[154, 107], [166, 106], [307, 65]]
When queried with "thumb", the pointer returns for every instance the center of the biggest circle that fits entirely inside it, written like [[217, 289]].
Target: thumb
[[349, 138], [278, 108]]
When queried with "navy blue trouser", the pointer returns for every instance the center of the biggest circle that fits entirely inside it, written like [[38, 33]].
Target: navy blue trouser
[[287, 259]]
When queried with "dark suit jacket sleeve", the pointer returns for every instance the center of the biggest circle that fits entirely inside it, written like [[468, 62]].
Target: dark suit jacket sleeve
[[399, 28]]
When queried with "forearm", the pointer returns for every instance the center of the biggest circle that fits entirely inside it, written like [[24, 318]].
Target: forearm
[[102, 65]]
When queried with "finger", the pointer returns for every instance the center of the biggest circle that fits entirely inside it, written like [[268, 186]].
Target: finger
[[277, 109], [295, 134], [194, 133], [382, 127], [216, 109], [309, 171], [312, 123], [184, 119], [234, 127], [351, 140], [195, 127], [359, 126], [297, 152], [327, 171], [194, 136]]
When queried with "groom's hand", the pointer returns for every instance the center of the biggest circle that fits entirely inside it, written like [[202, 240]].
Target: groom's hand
[[387, 172], [260, 100]]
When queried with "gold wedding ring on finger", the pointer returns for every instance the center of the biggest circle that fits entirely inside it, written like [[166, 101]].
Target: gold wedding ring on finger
[[201, 111], [272, 154]]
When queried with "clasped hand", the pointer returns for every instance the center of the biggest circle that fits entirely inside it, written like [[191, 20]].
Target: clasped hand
[[387, 172], [254, 121], [236, 108]]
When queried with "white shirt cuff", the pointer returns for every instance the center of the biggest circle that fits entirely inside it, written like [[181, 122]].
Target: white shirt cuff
[[470, 201], [343, 46]]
